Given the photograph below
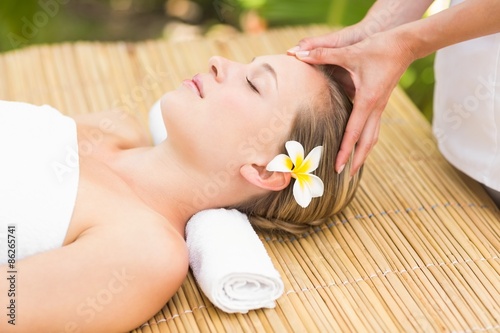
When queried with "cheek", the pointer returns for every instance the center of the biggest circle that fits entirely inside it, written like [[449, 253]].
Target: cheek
[[228, 105], [229, 117]]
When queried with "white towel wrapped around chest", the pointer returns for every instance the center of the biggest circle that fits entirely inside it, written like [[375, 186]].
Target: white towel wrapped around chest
[[39, 175], [230, 263]]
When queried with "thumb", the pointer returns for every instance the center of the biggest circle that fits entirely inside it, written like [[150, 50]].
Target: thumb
[[340, 38], [322, 55], [328, 40], [309, 43]]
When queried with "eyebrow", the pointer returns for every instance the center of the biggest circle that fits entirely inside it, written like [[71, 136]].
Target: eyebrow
[[269, 69]]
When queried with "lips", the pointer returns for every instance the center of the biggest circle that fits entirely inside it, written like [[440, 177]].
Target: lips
[[199, 84], [195, 85]]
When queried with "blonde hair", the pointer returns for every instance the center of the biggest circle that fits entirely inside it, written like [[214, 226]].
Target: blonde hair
[[318, 124]]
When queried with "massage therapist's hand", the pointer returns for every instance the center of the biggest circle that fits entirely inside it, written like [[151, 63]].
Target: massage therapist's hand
[[375, 65], [337, 39]]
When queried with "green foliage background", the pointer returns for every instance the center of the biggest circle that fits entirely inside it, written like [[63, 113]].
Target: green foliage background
[[28, 22]]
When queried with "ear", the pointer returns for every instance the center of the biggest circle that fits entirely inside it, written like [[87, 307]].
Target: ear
[[268, 180]]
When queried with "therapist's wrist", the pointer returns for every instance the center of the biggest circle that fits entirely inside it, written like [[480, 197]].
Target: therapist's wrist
[[406, 46], [412, 40]]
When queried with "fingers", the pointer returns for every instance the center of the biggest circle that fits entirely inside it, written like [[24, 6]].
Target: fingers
[[362, 131], [352, 134], [365, 144]]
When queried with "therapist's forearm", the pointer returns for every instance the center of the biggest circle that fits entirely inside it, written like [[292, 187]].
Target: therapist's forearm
[[388, 14], [468, 20]]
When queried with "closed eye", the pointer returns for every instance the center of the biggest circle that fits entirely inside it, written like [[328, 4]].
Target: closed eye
[[252, 86]]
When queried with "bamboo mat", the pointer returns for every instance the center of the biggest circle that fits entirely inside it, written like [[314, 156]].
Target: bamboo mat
[[416, 251]]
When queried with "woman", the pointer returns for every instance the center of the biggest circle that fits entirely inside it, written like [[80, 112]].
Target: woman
[[123, 254]]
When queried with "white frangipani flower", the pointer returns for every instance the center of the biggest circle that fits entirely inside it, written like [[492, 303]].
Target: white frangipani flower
[[306, 186]]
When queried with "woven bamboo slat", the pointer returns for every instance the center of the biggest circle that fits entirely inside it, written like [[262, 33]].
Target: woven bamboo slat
[[417, 250]]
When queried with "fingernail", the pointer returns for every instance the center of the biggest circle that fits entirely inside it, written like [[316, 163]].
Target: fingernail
[[341, 169], [293, 49], [302, 54]]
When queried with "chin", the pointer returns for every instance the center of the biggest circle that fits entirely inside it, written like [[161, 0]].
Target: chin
[[170, 103], [166, 99], [176, 99]]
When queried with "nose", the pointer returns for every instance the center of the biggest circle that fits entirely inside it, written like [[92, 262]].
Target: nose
[[218, 66]]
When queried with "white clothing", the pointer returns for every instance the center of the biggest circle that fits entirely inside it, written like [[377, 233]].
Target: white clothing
[[39, 174], [467, 107]]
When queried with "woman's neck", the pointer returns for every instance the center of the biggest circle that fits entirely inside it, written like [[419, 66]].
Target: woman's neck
[[166, 185]]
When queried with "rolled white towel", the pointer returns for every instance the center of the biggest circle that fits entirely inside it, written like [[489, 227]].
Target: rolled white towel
[[230, 263]]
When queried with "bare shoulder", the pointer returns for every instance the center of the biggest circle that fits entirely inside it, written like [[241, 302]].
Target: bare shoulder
[[150, 260], [158, 245], [155, 251], [113, 278], [126, 129]]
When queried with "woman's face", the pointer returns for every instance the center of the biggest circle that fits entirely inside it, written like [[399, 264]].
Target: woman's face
[[238, 113]]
